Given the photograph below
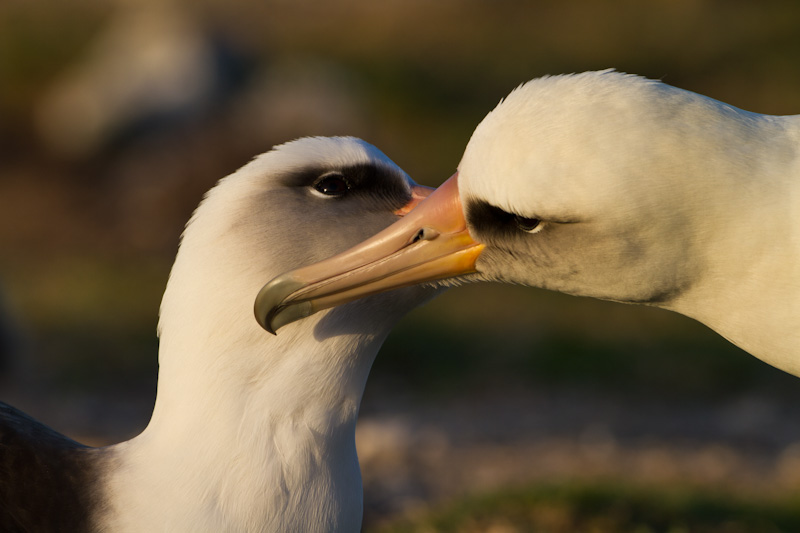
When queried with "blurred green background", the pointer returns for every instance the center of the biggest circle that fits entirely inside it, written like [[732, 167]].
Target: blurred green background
[[115, 117]]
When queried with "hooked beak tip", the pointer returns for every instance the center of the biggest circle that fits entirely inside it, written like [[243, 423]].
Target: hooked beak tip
[[271, 309]]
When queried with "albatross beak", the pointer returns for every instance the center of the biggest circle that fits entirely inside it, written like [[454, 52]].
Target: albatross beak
[[430, 242]]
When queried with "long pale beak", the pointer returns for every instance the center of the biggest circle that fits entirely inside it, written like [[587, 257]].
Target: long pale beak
[[430, 242]]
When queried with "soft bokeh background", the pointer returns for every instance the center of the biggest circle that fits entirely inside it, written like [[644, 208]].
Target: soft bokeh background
[[115, 117]]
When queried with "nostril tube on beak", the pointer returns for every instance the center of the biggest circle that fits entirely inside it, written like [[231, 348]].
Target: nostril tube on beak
[[425, 234]]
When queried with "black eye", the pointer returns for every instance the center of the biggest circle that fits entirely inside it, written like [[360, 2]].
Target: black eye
[[332, 185], [526, 224]]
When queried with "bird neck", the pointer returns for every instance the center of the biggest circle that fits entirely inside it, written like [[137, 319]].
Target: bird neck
[[749, 288], [753, 304], [249, 431]]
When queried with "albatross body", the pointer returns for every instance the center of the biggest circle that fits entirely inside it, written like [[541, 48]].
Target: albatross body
[[250, 432], [622, 188]]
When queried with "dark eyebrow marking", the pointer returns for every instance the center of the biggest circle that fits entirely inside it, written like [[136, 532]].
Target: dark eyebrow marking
[[484, 216], [384, 184]]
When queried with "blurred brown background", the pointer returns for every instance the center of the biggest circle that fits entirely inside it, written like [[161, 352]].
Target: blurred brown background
[[115, 117]]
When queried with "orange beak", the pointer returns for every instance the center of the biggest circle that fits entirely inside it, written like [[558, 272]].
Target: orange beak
[[430, 242]]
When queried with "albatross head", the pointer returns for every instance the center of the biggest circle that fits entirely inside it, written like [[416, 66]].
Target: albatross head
[[297, 204]]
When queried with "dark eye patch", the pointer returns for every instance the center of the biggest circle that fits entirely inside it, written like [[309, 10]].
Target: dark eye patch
[[383, 187], [489, 220]]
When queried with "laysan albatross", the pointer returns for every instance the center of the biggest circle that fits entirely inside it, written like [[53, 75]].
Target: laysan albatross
[[607, 185], [250, 432]]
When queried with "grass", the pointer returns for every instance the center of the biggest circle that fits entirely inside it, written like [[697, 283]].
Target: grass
[[606, 508]]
